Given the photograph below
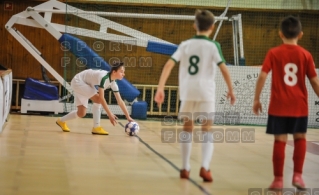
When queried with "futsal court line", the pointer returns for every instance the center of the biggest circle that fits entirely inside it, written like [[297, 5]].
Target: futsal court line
[[170, 163]]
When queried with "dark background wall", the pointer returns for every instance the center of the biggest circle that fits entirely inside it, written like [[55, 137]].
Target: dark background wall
[[260, 32]]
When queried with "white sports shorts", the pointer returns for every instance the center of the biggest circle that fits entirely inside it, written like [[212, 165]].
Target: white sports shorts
[[195, 110], [82, 92]]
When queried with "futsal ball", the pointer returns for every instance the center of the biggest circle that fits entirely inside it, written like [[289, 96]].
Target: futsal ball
[[132, 128]]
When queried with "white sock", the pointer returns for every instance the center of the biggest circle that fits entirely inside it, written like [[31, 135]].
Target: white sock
[[186, 149], [96, 111], [72, 115], [207, 151]]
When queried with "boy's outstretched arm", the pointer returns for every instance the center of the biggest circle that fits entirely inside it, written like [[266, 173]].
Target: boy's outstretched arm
[[259, 86], [226, 75], [111, 116], [160, 95], [122, 105], [315, 85]]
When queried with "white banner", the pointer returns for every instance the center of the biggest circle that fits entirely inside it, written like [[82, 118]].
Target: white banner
[[1, 105], [244, 81], [5, 96]]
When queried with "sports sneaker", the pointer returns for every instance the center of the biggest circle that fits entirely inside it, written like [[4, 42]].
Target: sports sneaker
[[184, 174], [99, 131], [205, 175], [297, 181], [63, 125], [277, 184]]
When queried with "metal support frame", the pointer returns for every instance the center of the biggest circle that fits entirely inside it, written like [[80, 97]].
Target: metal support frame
[[35, 53], [31, 17], [54, 6], [221, 21], [238, 44]]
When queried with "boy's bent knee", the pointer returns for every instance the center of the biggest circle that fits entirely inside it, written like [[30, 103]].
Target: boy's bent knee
[[299, 136], [281, 137], [81, 114]]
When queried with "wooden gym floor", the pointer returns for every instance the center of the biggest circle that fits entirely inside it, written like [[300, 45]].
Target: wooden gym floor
[[36, 157]]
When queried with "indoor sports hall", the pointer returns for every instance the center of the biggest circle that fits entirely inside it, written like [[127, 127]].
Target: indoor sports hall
[[46, 43]]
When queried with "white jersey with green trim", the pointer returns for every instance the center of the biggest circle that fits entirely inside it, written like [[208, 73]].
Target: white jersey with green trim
[[199, 58], [100, 78]]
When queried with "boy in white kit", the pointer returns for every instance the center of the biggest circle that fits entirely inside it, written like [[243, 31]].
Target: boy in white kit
[[83, 85], [199, 58]]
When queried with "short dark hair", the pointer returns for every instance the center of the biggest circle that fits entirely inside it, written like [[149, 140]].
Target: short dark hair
[[116, 65], [204, 19], [290, 27]]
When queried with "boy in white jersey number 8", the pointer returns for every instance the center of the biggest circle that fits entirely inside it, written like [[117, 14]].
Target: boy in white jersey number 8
[[199, 58], [83, 85]]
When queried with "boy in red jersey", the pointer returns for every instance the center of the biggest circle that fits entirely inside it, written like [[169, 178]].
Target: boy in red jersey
[[288, 108]]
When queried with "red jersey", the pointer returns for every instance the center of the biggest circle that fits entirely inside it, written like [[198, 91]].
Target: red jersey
[[290, 64]]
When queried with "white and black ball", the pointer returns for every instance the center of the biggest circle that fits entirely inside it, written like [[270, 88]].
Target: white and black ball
[[132, 128]]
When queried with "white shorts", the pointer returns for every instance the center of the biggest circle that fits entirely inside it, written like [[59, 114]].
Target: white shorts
[[194, 110], [82, 92]]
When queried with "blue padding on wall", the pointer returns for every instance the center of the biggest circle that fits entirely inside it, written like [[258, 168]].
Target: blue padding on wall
[[83, 52], [139, 110], [127, 90], [161, 48], [36, 90]]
